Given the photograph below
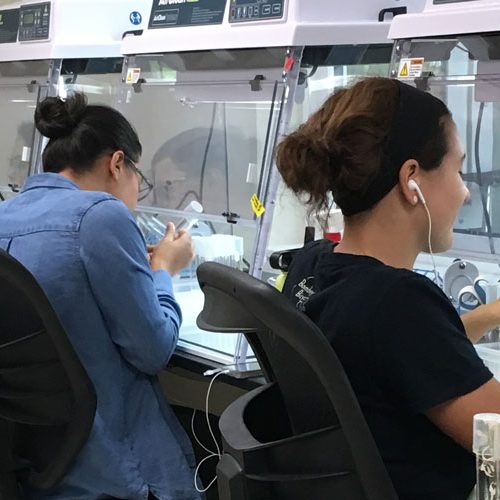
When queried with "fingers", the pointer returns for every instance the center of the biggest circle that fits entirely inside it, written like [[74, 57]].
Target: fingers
[[181, 232], [185, 236], [170, 234]]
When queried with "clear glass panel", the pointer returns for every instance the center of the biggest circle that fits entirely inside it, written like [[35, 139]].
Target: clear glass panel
[[98, 79], [203, 129], [324, 70], [207, 122], [20, 84], [465, 73]]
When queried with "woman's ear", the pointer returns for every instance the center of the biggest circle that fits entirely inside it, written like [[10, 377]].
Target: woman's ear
[[410, 171], [116, 164]]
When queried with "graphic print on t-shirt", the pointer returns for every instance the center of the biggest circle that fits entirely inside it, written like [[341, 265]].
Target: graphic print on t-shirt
[[303, 291]]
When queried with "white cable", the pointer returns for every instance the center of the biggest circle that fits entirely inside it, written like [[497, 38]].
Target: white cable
[[214, 378], [196, 437], [203, 490], [212, 454], [430, 243]]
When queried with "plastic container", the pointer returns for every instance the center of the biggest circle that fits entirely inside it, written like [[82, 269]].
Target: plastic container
[[486, 446], [490, 354]]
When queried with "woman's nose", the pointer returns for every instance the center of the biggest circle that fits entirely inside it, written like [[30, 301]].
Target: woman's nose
[[466, 194]]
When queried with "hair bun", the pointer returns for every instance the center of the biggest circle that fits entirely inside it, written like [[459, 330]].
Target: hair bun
[[55, 118], [332, 156]]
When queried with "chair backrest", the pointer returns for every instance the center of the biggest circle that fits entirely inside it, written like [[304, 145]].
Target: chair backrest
[[47, 401], [296, 356]]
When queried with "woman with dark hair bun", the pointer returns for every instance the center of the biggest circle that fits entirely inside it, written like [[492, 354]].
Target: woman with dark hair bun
[[390, 157], [71, 226]]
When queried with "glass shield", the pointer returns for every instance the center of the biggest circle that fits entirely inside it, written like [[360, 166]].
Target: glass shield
[[323, 71], [465, 73], [207, 122], [99, 79], [21, 84]]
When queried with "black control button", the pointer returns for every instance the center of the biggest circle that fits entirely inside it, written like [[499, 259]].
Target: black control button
[[266, 10], [276, 8]]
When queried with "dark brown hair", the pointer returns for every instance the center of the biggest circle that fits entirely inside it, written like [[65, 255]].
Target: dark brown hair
[[80, 133], [341, 148]]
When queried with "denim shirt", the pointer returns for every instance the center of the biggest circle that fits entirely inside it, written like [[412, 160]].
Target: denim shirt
[[87, 253]]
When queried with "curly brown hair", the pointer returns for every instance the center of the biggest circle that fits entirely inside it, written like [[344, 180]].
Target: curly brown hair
[[341, 147]]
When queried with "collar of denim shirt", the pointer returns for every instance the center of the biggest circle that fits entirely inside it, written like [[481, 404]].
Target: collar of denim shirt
[[48, 179]]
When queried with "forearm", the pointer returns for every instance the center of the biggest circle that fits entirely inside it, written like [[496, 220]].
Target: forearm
[[481, 320], [138, 306]]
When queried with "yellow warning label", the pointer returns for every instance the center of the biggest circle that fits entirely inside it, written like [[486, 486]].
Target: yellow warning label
[[133, 75], [257, 206], [411, 67]]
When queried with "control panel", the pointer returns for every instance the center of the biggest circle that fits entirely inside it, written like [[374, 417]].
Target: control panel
[[256, 10], [9, 24], [34, 22]]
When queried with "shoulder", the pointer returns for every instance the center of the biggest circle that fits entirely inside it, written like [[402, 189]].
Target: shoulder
[[105, 208], [412, 304], [105, 213], [302, 269], [306, 258], [408, 285]]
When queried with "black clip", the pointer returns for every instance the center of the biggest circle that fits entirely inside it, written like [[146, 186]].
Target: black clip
[[71, 80], [282, 260], [31, 86], [422, 82], [138, 85], [395, 11], [256, 83], [231, 217], [132, 32], [15, 187]]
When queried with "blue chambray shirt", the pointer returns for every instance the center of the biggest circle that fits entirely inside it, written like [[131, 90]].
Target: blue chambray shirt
[[87, 253]]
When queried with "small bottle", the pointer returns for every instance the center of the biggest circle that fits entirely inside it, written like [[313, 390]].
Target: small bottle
[[486, 446]]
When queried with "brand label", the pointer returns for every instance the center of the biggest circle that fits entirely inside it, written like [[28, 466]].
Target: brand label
[[175, 13]]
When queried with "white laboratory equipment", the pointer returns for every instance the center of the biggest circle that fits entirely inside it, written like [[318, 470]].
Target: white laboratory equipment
[[211, 87], [48, 48]]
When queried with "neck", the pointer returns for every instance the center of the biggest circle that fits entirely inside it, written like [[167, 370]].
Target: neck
[[86, 181], [385, 234]]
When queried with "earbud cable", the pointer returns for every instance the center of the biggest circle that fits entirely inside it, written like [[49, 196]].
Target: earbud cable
[[429, 236]]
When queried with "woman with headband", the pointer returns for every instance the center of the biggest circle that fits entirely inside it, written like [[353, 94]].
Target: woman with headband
[[390, 156]]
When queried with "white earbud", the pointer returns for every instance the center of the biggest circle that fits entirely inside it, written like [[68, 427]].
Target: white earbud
[[414, 187]]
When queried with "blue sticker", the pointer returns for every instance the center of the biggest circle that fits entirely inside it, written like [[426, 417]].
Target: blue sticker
[[135, 18]]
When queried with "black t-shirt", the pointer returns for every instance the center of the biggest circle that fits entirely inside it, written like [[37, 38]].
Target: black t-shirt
[[404, 349]]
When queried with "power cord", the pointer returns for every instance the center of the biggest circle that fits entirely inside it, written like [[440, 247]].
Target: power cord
[[212, 454]]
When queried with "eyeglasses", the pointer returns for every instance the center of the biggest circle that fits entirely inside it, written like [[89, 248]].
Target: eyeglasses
[[145, 185]]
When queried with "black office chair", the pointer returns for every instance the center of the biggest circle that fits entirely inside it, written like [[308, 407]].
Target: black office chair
[[301, 436], [47, 401]]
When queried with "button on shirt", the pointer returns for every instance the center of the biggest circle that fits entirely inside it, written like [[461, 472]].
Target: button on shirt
[[86, 251]]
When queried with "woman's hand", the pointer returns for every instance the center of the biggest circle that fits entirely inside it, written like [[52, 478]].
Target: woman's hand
[[481, 320], [173, 253]]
